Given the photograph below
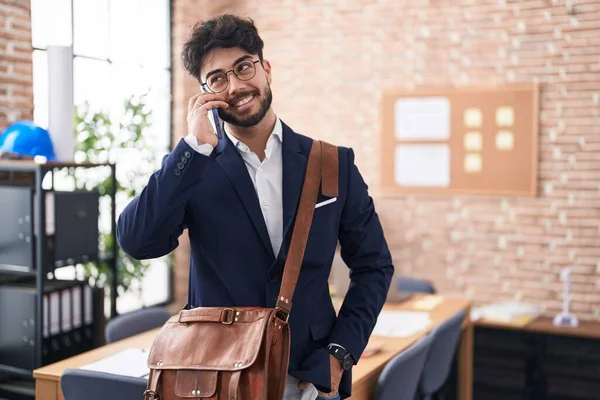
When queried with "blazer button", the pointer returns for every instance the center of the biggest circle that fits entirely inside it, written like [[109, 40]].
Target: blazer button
[[187, 154], [184, 160], [180, 165], [177, 172], [273, 279]]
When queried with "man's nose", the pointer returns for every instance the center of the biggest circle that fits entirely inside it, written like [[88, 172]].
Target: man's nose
[[235, 84]]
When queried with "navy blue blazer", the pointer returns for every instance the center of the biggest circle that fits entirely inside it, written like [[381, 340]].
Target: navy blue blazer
[[232, 261]]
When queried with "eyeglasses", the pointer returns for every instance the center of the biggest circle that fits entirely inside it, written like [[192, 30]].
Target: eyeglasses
[[219, 81]]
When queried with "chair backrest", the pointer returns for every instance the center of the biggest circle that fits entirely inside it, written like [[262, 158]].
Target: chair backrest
[[80, 384], [399, 379], [406, 284], [132, 323], [440, 357]]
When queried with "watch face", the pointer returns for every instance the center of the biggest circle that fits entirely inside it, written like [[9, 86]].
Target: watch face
[[347, 363]]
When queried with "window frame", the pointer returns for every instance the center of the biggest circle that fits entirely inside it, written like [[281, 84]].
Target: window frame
[[169, 145]]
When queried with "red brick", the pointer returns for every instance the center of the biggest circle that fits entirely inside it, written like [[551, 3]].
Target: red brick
[[17, 6], [15, 81]]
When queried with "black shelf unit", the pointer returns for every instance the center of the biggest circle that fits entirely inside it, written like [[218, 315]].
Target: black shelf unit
[[39, 252], [529, 364]]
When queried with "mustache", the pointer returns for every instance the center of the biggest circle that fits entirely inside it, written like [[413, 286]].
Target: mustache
[[239, 96]]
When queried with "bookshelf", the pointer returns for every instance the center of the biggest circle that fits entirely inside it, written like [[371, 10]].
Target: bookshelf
[[46, 228]]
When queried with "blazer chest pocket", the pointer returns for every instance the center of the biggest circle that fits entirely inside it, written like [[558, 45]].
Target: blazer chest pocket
[[325, 202]]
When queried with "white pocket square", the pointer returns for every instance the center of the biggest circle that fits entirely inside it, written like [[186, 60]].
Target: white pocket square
[[324, 203]]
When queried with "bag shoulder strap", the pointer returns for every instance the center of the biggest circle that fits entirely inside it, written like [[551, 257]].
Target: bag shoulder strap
[[322, 169]]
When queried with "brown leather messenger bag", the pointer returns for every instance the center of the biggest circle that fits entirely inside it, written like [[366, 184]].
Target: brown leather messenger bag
[[240, 353]]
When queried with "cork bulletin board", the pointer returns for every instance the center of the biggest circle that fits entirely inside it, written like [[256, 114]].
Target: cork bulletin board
[[461, 141]]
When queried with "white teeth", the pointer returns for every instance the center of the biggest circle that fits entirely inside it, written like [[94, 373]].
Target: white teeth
[[243, 101]]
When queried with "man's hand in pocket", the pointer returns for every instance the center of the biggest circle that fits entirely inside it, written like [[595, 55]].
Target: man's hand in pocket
[[336, 377]]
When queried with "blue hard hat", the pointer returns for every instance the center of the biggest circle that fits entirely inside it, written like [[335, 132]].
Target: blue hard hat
[[26, 138]]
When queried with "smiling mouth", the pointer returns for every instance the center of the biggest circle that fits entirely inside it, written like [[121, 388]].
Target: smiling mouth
[[243, 101]]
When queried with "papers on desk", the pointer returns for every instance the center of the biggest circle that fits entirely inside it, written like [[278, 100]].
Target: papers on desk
[[508, 312], [128, 362], [401, 323], [427, 303]]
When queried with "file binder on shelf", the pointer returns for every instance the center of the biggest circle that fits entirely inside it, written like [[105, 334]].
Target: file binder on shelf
[[71, 228], [70, 323]]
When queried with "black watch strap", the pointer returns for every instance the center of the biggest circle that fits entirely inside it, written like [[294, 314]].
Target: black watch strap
[[343, 355]]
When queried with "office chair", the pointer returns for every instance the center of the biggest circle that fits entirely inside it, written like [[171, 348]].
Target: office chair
[[441, 355], [132, 323], [399, 379], [406, 284], [81, 384]]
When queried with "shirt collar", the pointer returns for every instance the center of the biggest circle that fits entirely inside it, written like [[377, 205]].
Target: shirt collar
[[277, 133]]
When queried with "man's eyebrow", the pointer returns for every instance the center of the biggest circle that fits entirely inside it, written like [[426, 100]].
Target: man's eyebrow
[[242, 58]]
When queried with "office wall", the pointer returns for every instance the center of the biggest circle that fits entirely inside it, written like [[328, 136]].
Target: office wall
[[331, 61], [16, 94]]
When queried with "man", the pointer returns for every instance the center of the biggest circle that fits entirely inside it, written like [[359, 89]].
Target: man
[[238, 198]]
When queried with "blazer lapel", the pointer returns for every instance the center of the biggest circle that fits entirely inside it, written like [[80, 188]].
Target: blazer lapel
[[294, 168], [234, 167]]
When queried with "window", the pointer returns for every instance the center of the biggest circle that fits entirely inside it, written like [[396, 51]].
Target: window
[[461, 140], [120, 48]]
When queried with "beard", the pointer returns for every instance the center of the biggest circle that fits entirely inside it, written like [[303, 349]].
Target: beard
[[253, 119]]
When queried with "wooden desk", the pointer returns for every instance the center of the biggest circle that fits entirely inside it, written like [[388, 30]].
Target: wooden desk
[[47, 378], [364, 375], [366, 372]]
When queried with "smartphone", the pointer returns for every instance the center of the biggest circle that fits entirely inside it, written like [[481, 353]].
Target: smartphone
[[213, 116]]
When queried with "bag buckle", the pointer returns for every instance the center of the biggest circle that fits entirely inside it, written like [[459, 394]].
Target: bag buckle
[[227, 315], [282, 315], [154, 395]]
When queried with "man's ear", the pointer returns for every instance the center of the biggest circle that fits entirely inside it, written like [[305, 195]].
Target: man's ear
[[267, 67]]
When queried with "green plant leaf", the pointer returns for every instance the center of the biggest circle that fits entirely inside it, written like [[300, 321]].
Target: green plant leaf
[[101, 139]]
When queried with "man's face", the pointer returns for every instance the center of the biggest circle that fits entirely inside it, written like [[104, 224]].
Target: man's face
[[249, 100]]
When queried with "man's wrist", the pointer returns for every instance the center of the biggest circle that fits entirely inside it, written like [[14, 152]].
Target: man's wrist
[[346, 359], [340, 346], [204, 149]]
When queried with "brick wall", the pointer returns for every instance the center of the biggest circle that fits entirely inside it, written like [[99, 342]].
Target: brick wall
[[16, 94], [331, 61]]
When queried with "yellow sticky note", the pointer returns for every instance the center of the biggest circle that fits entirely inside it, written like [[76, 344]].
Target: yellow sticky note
[[505, 116], [472, 163], [473, 141], [473, 118], [505, 140]]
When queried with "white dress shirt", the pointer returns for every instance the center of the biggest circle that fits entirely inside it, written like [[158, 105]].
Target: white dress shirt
[[267, 178]]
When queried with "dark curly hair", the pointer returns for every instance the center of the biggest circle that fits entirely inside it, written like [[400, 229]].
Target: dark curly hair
[[224, 31]]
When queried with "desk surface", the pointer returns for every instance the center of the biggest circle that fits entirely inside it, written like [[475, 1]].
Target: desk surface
[[586, 329], [364, 374]]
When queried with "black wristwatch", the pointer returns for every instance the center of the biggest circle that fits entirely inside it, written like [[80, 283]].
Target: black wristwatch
[[343, 355]]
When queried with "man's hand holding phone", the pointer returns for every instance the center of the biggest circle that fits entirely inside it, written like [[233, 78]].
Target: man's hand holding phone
[[199, 108]]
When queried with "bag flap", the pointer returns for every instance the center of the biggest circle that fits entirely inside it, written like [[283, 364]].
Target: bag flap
[[191, 383], [199, 344]]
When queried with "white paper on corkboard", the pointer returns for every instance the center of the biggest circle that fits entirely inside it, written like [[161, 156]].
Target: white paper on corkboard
[[422, 165], [425, 118]]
